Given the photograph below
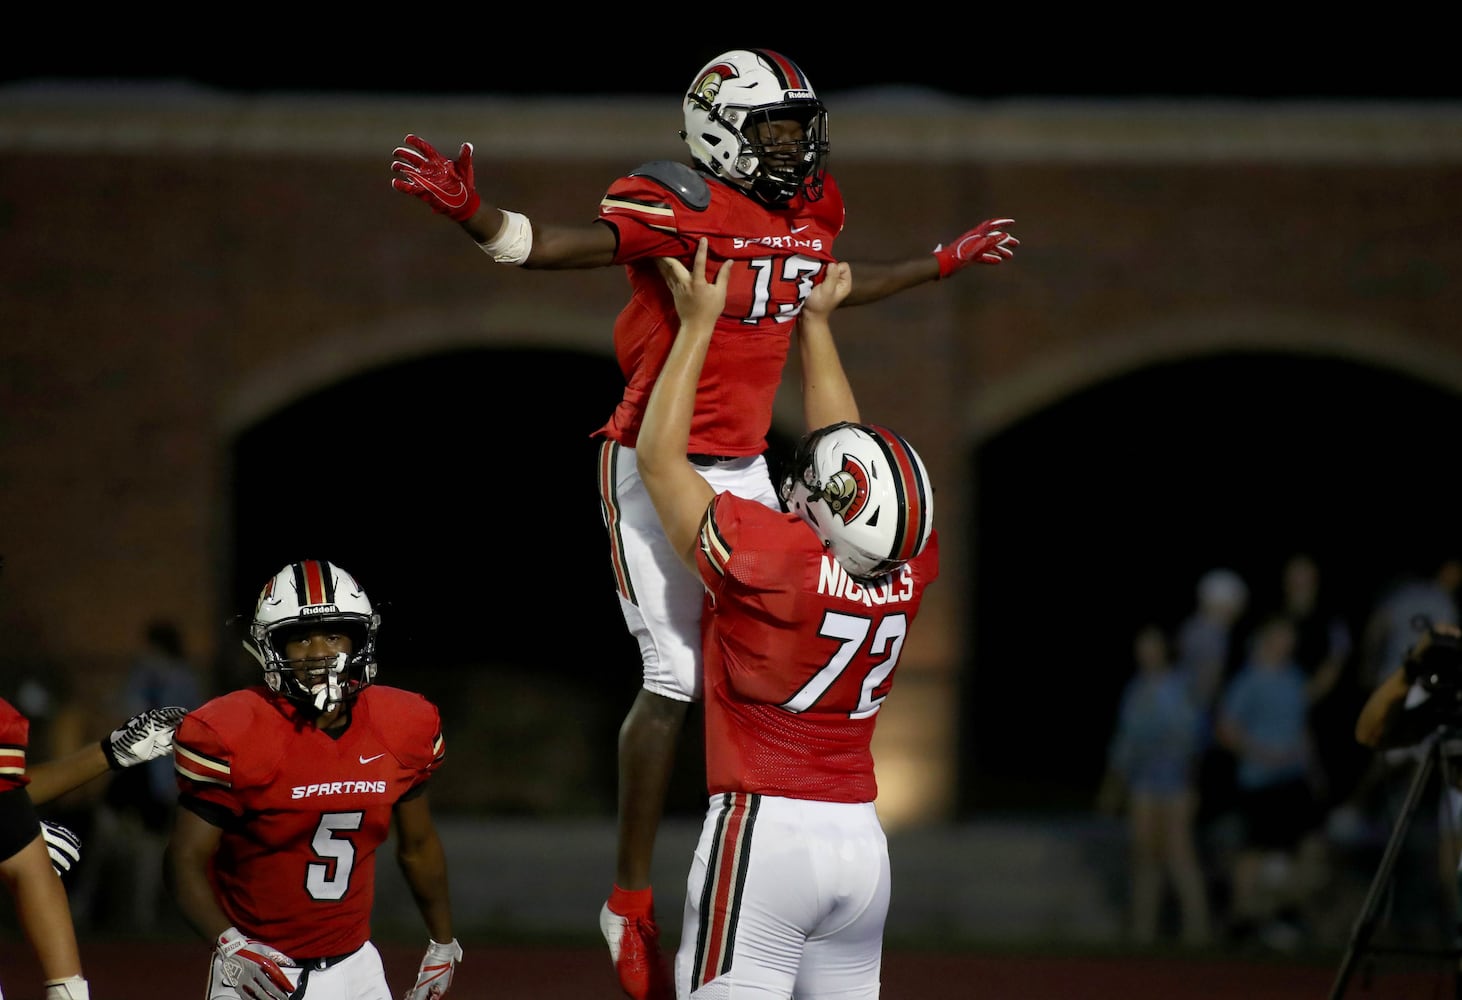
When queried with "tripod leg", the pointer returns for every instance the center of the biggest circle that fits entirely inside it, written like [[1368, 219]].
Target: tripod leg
[[1365, 923]]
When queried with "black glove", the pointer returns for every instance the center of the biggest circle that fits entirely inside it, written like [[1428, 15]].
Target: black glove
[[146, 736], [63, 845]]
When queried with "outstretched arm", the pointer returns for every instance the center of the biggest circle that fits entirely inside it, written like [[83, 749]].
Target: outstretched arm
[[55, 778], [144, 737], [987, 243], [678, 492], [449, 188], [827, 397]]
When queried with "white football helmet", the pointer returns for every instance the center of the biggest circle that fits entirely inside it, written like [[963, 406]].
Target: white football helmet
[[297, 598], [865, 492], [744, 88]]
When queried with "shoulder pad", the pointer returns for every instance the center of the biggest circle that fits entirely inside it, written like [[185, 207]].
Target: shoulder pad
[[682, 181]]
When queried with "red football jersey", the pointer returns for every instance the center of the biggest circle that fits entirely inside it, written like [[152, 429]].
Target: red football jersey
[[14, 740], [298, 868], [798, 656], [780, 255]]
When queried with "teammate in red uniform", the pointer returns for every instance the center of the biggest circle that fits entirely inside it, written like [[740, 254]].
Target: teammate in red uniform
[[806, 614], [288, 788], [33, 853], [759, 192]]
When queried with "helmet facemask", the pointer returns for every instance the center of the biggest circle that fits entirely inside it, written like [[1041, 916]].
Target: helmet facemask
[[307, 597], [774, 170], [865, 493]]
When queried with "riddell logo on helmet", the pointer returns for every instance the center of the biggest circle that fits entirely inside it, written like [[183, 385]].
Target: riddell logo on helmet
[[319, 609], [797, 95]]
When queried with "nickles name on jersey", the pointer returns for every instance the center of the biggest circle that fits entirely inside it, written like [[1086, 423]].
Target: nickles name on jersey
[[834, 581], [328, 788]]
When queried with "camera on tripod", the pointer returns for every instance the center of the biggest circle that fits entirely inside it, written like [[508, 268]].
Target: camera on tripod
[[1435, 662]]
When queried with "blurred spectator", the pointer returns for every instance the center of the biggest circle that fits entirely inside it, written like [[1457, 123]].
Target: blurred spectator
[[1323, 646], [1152, 771], [1205, 651], [131, 823], [1205, 636], [1263, 721]]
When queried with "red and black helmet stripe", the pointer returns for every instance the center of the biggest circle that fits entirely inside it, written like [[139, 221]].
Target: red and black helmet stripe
[[787, 71], [913, 493], [313, 583]]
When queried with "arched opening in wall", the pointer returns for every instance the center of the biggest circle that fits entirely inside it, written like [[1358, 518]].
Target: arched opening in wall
[[1099, 514], [460, 490]]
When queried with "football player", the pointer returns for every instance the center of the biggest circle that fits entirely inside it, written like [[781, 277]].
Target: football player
[[287, 789], [806, 614], [758, 190], [33, 853]]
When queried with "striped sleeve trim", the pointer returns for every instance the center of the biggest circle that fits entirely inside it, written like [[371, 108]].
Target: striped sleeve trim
[[438, 749], [12, 760], [197, 766], [713, 544], [656, 215]]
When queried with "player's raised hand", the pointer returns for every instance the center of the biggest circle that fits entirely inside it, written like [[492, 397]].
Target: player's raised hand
[[253, 968], [63, 845], [831, 291], [987, 243], [434, 977], [696, 299], [146, 736], [446, 185]]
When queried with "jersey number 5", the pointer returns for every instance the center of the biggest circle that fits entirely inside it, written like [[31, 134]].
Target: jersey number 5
[[330, 878], [851, 631]]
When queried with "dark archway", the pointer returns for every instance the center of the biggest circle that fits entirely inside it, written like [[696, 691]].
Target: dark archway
[[1101, 512]]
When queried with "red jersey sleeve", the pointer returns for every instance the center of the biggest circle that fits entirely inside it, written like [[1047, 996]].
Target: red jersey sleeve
[[203, 759], [411, 727], [14, 740]]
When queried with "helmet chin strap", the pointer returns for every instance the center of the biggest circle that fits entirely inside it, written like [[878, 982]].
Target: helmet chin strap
[[332, 695]]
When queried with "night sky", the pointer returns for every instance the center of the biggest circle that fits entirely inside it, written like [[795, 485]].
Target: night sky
[[999, 54]]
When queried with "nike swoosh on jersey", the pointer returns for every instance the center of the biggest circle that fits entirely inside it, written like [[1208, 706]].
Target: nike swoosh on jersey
[[366, 760], [798, 229]]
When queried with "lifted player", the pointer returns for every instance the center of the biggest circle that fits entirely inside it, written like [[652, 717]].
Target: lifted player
[[758, 190]]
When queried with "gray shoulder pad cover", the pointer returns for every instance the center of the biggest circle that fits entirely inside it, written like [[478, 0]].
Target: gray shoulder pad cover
[[680, 180]]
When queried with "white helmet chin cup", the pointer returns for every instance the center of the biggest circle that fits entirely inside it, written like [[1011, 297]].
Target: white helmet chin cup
[[866, 494], [299, 596], [738, 90]]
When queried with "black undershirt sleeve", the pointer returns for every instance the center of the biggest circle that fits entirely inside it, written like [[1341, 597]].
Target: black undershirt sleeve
[[18, 822]]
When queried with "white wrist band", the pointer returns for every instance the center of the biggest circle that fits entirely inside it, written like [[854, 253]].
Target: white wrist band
[[71, 988], [513, 242]]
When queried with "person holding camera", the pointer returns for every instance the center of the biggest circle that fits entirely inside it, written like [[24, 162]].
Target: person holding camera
[[1419, 699], [1401, 709]]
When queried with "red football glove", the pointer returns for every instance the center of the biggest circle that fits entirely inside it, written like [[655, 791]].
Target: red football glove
[[987, 243], [445, 185], [252, 967]]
